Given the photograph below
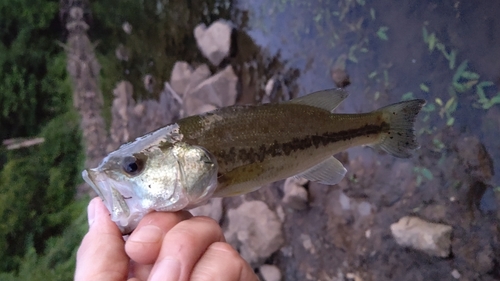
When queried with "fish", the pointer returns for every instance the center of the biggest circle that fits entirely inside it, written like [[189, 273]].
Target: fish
[[237, 149]]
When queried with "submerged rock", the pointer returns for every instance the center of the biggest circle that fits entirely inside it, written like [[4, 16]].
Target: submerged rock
[[212, 209], [215, 41], [431, 238], [296, 196], [270, 272], [216, 91], [180, 77], [255, 231], [340, 78]]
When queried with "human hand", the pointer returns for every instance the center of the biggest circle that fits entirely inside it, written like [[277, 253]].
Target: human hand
[[165, 246]]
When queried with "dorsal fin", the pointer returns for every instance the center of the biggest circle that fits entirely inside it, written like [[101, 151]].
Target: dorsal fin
[[325, 99], [329, 172]]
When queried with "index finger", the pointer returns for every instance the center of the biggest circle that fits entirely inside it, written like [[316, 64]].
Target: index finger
[[144, 244]]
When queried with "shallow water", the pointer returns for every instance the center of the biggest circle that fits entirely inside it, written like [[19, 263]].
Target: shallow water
[[388, 57], [444, 53]]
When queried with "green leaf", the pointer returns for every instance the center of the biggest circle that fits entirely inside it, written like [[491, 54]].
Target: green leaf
[[425, 34], [470, 75], [461, 68], [317, 18], [485, 84], [453, 56], [450, 121], [381, 33], [407, 96], [432, 42], [361, 2], [424, 88], [439, 101], [449, 104], [492, 102], [427, 173], [459, 87], [481, 94], [372, 13], [430, 107], [377, 95], [440, 46], [372, 74]]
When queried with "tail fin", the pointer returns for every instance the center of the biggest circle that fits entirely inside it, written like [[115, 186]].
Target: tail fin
[[399, 140]]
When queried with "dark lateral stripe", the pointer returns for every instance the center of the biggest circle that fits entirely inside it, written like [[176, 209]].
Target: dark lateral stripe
[[252, 155]]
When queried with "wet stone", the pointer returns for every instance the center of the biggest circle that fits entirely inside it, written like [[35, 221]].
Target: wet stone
[[296, 196], [215, 41], [216, 91], [180, 77], [431, 238], [270, 272], [255, 231]]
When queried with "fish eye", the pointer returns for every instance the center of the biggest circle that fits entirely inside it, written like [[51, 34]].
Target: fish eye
[[132, 165]]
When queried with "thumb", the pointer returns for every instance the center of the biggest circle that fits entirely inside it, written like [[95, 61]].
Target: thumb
[[101, 255]]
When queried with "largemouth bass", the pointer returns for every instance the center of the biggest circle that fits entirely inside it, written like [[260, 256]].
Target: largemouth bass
[[237, 149]]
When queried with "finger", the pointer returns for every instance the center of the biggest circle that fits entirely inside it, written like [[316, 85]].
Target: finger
[[222, 258], [144, 244], [101, 255], [182, 246], [140, 271]]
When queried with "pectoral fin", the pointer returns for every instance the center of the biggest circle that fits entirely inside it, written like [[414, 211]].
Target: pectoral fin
[[328, 172], [326, 99]]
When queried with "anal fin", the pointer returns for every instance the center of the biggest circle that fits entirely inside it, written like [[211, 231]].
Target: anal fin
[[329, 172]]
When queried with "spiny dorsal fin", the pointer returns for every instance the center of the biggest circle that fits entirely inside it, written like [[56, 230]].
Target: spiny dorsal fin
[[329, 172], [325, 99]]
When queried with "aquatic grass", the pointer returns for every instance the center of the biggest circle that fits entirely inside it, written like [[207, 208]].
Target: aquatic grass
[[422, 174], [382, 33]]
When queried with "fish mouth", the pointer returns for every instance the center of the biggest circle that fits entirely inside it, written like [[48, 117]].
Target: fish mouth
[[112, 199], [90, 176]]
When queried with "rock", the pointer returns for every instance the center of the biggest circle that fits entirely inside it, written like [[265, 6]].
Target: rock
[[122, 53], [127, 27], [340, 78], [307, 243], [180, 77], [270, 272], [149, 83], [455, 274], [217, 91], [296, 196], [214, 42], [212, 209], [255, 231], [431, 238]]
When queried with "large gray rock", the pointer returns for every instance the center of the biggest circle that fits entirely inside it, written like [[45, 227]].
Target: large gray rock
[[255, 231], [214, 42], [180, 77], [216, 91], [431, 238]]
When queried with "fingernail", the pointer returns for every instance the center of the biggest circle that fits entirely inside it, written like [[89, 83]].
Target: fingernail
[[91, 212], [169, 269], [146, 234]]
